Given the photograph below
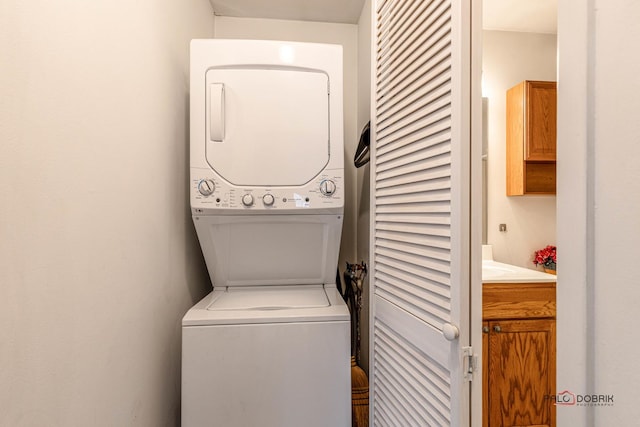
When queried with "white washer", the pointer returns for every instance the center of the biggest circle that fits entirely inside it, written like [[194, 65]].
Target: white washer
[[270, 345]]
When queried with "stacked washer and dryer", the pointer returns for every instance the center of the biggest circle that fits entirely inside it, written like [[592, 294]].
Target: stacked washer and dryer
[[269, 346]]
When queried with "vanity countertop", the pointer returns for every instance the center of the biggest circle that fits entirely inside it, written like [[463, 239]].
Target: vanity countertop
[[497, 272]]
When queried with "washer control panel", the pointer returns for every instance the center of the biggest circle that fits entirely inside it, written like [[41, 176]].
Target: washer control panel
[[206, 187], [268, 199], [247, 200], [327, 187], [209, 191]]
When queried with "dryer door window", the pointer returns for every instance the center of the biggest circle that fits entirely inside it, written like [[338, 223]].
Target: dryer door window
[[267, 126]]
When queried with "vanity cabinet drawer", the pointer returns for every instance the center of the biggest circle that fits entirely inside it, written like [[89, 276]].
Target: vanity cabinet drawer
[[518, 301]]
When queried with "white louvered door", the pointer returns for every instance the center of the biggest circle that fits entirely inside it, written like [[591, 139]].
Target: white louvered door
[[420, 210]]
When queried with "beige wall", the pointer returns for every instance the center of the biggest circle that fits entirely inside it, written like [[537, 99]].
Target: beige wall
[[509, 58], [98, 257], [317, 32], [363, 190]]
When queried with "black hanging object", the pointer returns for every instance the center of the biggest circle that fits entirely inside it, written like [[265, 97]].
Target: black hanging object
[[341, 289], [361, 157], [353, 279]]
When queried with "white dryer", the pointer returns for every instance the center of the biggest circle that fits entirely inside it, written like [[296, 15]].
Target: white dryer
[[269, 346]]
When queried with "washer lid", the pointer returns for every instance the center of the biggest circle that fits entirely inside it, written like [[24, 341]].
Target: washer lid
[[201, 315], [267, 125], [269, 298]]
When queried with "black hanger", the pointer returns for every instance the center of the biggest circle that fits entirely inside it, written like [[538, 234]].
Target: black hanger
[[361, 157]]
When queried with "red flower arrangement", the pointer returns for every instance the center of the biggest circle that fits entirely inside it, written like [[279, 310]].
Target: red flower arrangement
[[546, 257]]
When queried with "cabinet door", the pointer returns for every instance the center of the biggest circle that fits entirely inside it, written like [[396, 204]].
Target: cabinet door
[[521, 373], [541, 108]]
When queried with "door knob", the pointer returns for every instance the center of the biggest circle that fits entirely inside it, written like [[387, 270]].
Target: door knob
[[485, 329], [450, 331], [497, 328]]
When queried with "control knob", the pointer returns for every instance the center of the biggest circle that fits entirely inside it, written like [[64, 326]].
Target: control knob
[[247, 200], [327, 187], [206, 187], [268, 199]]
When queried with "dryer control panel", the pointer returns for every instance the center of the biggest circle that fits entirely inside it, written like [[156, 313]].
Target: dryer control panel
[[212, 194]]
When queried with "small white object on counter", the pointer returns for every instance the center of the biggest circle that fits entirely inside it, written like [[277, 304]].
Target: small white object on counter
[[497, 272], [487, 252]]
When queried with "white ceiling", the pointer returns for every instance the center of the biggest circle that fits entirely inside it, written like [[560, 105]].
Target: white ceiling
[[534, 16], [529, 16], [342, 11]]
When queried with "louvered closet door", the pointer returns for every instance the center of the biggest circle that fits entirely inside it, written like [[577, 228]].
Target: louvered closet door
[[420, 205]]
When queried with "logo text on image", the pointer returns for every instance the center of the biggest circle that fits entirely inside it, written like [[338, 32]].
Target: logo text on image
[[565, 398]]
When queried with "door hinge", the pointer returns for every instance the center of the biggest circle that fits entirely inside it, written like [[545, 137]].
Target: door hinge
[[470, 363]]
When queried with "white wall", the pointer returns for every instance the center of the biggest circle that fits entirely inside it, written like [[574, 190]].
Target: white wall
[[616, 207], [363, 191], [98, 257], [599, 208], [317, 32], [509, 58]]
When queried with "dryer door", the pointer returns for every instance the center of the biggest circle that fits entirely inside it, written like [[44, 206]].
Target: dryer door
[[267, 126]]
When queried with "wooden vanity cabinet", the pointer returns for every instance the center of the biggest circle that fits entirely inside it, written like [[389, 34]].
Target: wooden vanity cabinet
[[531, 138], [519, 354]]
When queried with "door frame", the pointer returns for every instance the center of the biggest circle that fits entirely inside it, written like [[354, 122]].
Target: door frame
[[475, 256], [575, 211]]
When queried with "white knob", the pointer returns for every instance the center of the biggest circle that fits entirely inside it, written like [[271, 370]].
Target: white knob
[[450, 331], [206, 187], [247, 200], [327, 187], [268, 199]]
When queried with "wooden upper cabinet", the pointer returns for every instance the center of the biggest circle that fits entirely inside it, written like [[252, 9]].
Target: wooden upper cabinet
[[540, 121], [531, 138]]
